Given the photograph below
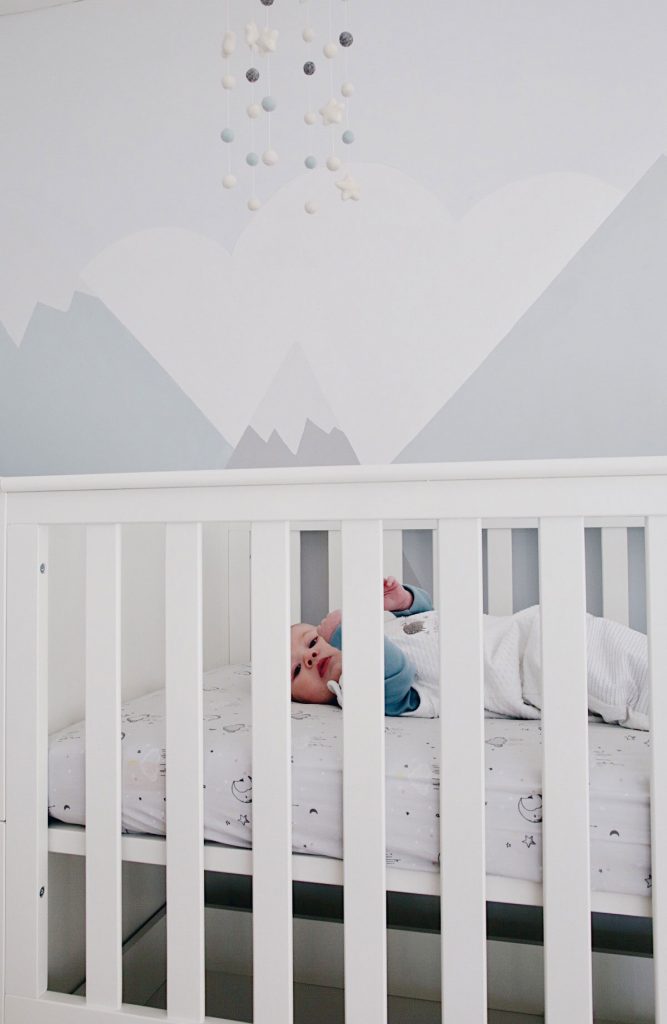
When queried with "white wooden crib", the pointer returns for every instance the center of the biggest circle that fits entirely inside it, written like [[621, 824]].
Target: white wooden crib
[[365, 510]]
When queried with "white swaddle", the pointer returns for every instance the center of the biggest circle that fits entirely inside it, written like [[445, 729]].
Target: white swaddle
[[617, 666]]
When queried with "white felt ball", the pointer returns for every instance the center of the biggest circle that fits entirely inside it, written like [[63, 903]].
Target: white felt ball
[[229, 181], [228, 44], [254, 204], [310, 206], [308, 34], [330, 50], [333, 163], [254, 110], [270, 157], [228, 81], [310, 117], [347, 88]]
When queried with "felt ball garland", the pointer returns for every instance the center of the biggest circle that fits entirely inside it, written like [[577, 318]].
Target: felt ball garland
[[327, 88]]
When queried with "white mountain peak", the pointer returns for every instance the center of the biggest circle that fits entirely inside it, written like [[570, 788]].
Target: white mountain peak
[[293, 396]]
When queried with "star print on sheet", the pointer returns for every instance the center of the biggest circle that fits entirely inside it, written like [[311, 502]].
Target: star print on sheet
[[349, 189], [528, 841], [332, 112]]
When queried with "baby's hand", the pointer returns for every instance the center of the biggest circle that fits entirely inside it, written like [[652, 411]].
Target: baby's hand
[[330, 623], [396, 597]]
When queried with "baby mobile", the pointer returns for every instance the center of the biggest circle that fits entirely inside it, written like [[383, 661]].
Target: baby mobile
[[327, 93]]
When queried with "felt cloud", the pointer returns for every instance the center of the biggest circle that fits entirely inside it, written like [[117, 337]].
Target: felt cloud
[[349, 188], [332, 112], [261, 40]]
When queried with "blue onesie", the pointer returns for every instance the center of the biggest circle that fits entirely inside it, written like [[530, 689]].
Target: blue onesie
[[399, 694]]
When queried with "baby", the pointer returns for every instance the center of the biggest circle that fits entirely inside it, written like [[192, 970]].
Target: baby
[[317, 660], [617, 663]]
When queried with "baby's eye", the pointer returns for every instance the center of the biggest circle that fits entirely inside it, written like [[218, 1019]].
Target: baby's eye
[[296, 672], [313, 642]]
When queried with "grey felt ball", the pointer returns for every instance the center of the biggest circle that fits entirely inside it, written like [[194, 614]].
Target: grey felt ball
[[348, 137], [267, 3], [269, 103], [227, 135], [252, 159], [309, 67], [346, 39], [310, 162], [252, 74]]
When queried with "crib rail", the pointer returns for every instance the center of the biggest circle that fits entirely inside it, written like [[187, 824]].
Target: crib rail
[[561, 497]]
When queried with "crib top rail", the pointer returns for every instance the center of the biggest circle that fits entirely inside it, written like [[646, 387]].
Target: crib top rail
[[517, 469], [618, 487]]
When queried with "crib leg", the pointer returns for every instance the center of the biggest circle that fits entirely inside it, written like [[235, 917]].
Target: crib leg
[[26, 758]]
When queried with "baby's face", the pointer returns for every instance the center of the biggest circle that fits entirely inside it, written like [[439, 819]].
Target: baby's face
[[314, 662]]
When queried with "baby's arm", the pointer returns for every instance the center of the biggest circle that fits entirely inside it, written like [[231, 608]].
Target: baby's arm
[[329, 624], [397, 599], [402, 600]]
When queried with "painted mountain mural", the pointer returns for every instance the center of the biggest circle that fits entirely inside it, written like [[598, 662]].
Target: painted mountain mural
[[584, 371], [81, 395], [293, 425]]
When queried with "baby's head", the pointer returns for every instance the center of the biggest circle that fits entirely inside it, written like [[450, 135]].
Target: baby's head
[[314, 662]]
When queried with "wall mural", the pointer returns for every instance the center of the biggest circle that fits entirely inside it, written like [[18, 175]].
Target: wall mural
[[496, 294]]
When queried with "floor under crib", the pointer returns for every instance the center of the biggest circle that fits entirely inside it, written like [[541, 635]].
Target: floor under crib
[[230, 996]]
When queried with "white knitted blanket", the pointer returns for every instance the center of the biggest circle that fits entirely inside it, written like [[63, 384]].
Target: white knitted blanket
[[617, 666]]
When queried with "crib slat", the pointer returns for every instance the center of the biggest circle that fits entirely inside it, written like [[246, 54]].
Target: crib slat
[[185, 803], [615, 593], [392, 553], [335, 562], [565, 836], [295, 576], [462, 864], [271, 808], [104, 972], [499, 575], [216, 593], [3, 577], [26, 905], [239, 586], [364, 854], [656, 614]]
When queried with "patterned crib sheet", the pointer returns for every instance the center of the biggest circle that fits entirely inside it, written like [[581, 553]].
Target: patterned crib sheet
[[619, 784]]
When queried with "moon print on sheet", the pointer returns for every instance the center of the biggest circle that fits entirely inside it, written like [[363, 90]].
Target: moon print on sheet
[[530, 807], [242, 789]]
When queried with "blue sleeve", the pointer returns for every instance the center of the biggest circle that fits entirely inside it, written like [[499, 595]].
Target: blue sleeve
[[399, 696], [421, 602]]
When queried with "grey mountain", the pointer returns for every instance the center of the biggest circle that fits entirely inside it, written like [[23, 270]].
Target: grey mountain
[[82, 395], [316, 448], [583, 372]]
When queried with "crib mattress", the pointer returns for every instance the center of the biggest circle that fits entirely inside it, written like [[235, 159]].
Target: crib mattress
[[619, 785]]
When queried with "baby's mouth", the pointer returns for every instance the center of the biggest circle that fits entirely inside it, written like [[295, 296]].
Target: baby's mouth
[[322, 665]]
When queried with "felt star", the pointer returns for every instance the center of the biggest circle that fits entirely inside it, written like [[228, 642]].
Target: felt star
[[332, 112], [349, 189], [261, 40]]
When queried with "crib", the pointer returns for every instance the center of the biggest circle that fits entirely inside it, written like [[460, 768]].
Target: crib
[[252, 523]]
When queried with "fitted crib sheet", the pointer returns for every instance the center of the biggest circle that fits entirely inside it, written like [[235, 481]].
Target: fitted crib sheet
[[619, 784]]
